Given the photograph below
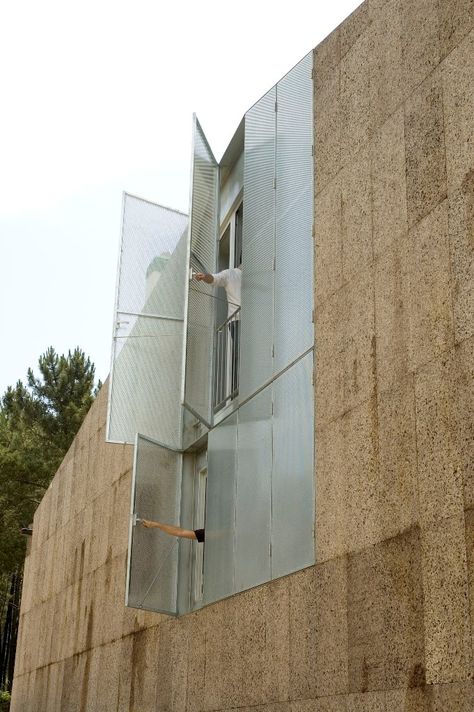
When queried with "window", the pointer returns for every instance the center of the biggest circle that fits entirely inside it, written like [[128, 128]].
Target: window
[[227, 336], [199, 522]]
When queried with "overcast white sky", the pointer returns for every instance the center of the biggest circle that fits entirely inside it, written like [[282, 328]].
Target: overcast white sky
[[97, 98]]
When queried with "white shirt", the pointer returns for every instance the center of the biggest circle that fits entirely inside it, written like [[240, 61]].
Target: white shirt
[[231, 280]]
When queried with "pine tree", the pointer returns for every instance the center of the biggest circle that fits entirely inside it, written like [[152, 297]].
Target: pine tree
[[38, 423]]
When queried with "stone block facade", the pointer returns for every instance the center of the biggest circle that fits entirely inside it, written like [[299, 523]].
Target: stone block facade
[[384, 621]]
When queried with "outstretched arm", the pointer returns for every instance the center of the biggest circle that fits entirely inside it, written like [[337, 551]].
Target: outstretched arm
[[202, 277], [169, 529]]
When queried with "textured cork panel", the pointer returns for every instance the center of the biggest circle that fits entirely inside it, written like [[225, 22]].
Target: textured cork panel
[[386, 73], [322, 704], [385, 615], [397, 453], [196, 655], [367, 702], [431, 326], [355, 99], [448, 641], [143, 665], [349, 491], [456, 19], [354, 26], [171, 668], [461, 230], [458, 697], [439, 442], [420, 41], [458, 88], [356, 215], [389, 184], [469, 521], [247, 648], [120, 515], [345, 349], [318, 631], [417, 699], [327, 111], [328, 242], [445, 425], [221, 654], [425, 148], [392, 317]]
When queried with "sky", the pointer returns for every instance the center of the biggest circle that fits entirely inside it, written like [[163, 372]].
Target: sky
[[97, 98]]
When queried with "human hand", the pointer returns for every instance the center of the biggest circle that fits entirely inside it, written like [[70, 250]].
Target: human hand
[[202, 277]]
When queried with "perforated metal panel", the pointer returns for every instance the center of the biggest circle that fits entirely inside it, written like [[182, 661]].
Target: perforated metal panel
[[258, 245], [145, 390], [219, 577], [293, 482], [203, 246], [293, 328], [153, 555], [254, 489]]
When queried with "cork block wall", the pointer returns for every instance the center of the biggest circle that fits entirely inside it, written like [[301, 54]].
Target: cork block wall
[[384, 621]]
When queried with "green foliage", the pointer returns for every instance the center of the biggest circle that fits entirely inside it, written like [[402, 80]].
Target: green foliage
[[38, 423]]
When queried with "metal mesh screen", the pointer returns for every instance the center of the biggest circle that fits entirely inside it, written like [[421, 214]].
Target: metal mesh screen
[[153, 555], [219, 575], [292, 481], [293, 328], [254, 488], [145, 392], [200, 316], [258, 245]]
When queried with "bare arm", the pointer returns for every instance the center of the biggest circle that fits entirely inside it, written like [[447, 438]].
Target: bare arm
[[169, 529], [202, 277]]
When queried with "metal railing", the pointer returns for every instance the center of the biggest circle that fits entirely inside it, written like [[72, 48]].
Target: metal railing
[[226, 354]]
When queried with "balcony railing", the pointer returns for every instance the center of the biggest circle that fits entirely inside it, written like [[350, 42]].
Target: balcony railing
[[226, 371]]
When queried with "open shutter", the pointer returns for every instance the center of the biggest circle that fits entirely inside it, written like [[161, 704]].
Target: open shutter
[[202, 258], [152, 569], [146, 375], [256, 347]]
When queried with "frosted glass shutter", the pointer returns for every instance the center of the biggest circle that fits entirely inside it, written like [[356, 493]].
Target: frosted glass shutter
[[258, 246], [293, 328], [254, 490], [219, 565], [146, 377], [152, 571], [292, 481], [201, 308]]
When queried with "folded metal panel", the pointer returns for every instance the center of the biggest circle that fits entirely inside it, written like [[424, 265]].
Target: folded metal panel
[[256, 347], [152, 570], [293, 481], [219, 559], [146, 378], [202, 258], [254, 490], [293, 327]]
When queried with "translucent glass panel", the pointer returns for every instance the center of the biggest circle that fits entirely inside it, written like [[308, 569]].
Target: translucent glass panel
[[219, 575], [203, 246], [292, 481], [260, 514], [254, 489], [293, 328], [145, 390], [153, 555], [258, 245], [277, 274]]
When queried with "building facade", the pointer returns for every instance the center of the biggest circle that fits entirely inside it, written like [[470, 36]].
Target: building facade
[[338, 570]]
